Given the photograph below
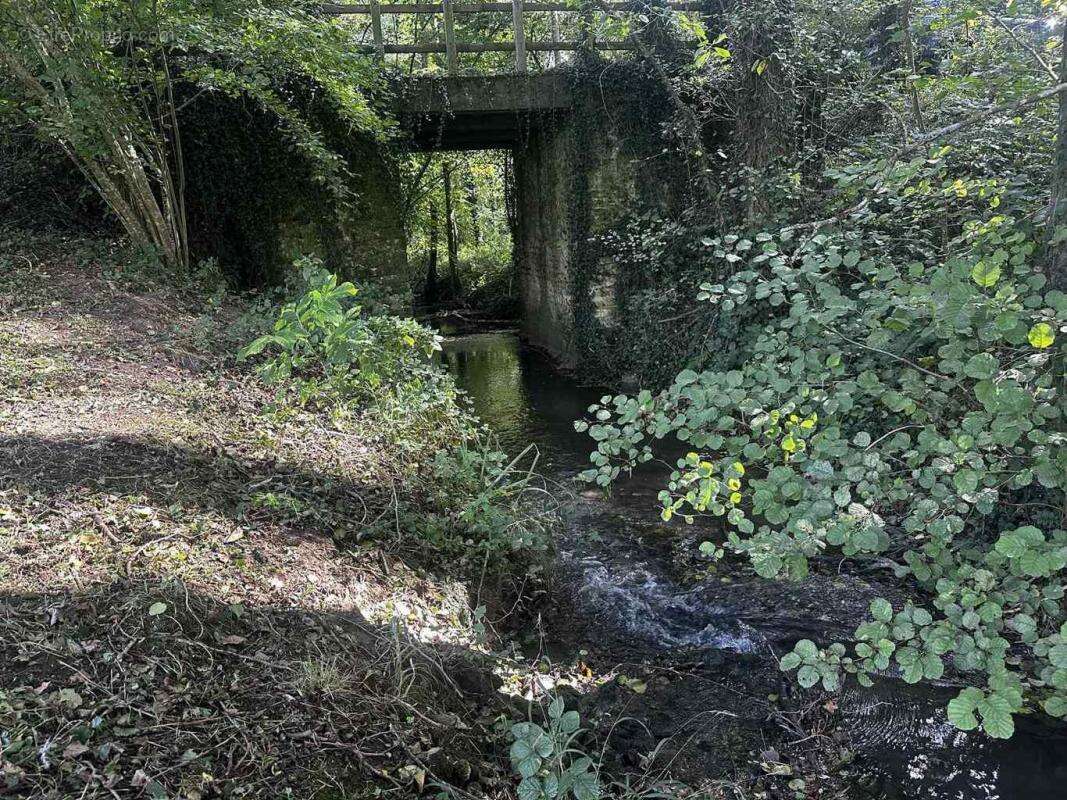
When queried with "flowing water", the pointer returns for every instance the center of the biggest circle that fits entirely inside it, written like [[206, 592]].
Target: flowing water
[[621, 567]]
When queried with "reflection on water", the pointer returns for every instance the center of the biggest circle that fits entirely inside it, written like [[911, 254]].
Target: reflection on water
[[522, 397], [903, 733], [900, 730]]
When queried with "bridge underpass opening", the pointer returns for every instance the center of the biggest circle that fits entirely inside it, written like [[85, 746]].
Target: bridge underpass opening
[[579, 157], [489, 145], [460, 233]]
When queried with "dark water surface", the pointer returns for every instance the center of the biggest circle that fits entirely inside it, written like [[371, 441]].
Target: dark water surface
[[900, 731]]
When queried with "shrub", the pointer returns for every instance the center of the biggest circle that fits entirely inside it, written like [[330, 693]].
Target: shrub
[[890, 408], [546, 761], [324, 348], [505, 507]]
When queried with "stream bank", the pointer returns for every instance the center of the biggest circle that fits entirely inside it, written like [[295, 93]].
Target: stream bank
[[204, 592], [689, 687]]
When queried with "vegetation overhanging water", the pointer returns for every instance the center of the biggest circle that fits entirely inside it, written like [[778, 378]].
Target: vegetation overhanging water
[[899, 731]]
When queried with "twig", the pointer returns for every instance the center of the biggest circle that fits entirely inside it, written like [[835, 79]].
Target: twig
[[923, 141], [901, 359], [886, 436], [363, 762], [1026, 46], [145, 546]]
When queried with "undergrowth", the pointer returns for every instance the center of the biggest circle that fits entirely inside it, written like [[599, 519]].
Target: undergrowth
[[210, 587]]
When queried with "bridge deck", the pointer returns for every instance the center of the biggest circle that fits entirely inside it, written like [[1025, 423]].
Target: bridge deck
[[478, 112]]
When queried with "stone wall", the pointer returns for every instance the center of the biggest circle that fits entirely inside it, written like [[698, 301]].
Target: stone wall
[[544, 173], [255, 205], [578, 177]]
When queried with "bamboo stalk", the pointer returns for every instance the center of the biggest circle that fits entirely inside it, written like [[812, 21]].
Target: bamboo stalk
[[554, 26]]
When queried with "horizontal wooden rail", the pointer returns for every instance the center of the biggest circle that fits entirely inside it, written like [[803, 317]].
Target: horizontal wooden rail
[[498, 47], [519, 46], [478, 8]]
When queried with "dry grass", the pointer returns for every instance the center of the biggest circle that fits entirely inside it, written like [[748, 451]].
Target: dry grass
[[175, 618]]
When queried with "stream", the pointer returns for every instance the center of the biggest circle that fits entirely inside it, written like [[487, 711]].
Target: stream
[[710, 644]]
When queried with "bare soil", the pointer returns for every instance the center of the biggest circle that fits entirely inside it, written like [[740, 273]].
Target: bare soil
[[175, 616]]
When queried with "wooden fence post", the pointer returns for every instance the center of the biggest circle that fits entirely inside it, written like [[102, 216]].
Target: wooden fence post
[[450, 37], [376, 28], [586, 34], [520, 36], [554, 27]]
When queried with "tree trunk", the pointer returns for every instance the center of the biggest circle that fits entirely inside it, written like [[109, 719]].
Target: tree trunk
[[472, 204], [762, 46], [122, 149], [432, 292], [451, 234], [1056, 262]]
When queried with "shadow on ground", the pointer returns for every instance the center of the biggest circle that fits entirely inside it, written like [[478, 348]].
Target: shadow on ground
[[143, 688]]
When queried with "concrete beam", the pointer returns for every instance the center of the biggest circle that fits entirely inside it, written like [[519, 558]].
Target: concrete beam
[[478, 112], [481, 94]]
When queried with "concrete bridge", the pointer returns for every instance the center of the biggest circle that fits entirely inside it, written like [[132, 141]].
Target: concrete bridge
[[587, 155], [586, 152], [480, 112]]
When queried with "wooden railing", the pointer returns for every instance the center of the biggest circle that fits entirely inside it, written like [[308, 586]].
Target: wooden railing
[[448, 9]]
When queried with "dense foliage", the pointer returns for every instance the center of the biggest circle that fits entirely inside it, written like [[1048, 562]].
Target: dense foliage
[[892, 389], [326, 350], [459, 229], [107, 82], [327, 355], [857, 325]]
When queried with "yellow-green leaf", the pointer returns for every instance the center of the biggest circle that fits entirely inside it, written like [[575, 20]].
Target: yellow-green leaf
[[1041, 335], [985, 274]]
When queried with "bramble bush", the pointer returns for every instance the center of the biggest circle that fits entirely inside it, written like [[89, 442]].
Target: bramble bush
[[905, 410]]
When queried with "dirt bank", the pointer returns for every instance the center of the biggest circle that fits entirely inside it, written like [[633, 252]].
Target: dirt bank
[[175, 617]]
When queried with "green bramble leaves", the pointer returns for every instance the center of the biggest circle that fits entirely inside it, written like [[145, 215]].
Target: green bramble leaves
[[994, 710], [961, 709], [881, 610], [909, 413], [814, 665], [546, 762]]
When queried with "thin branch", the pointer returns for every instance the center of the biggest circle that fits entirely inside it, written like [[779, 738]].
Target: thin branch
[[414, 194], [1026, 46], [924, 141], [894, 356]]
